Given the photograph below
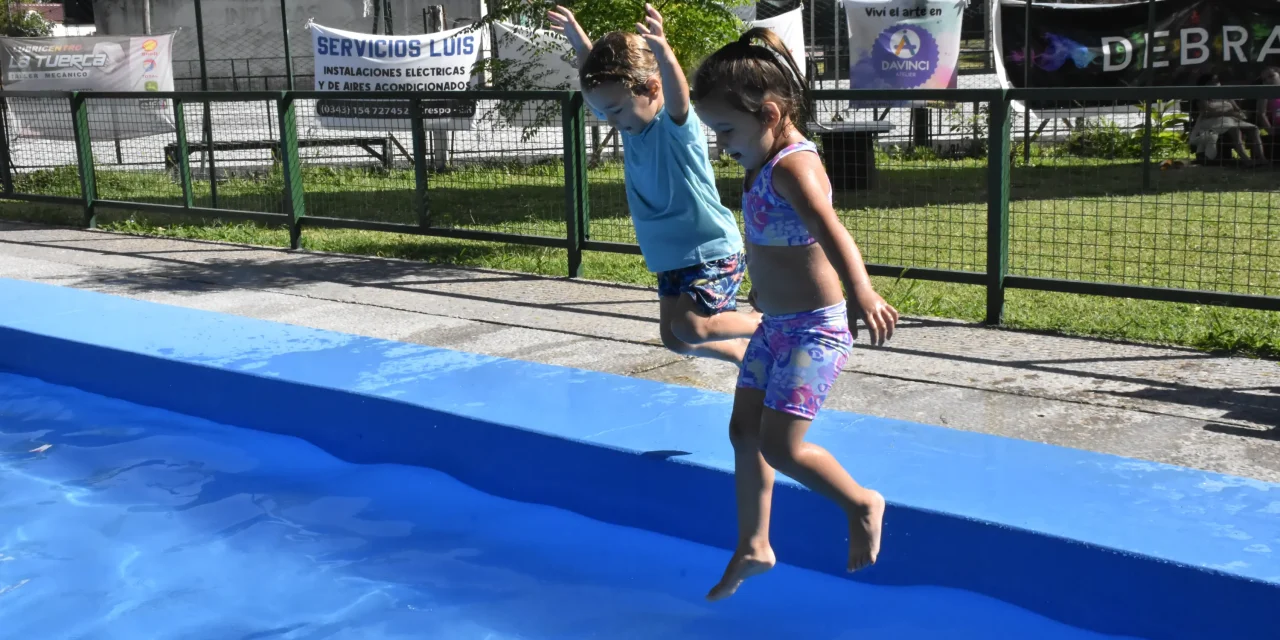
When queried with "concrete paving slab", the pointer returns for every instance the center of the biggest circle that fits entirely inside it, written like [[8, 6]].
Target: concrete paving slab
[[1180, 406]]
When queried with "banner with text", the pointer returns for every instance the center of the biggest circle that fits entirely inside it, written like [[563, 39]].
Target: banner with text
[[903, 44], [790, 27], [1120, 46], [349, 61], [90, 63]]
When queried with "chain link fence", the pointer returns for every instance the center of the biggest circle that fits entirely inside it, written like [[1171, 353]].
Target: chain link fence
[[1199, 216], [503, 172]]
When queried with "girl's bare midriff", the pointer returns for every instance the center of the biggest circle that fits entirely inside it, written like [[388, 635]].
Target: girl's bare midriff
[[792, 279]]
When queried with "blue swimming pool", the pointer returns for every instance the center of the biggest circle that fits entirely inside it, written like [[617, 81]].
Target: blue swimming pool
[[124, 521]]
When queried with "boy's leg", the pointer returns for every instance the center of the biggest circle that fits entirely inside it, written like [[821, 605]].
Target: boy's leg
[[671, 308], [709, 292], [696, 305], [696, 325], [753, 479]]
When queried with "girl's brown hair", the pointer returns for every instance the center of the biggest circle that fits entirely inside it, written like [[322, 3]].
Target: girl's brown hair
[[618, 57], [754, 69]]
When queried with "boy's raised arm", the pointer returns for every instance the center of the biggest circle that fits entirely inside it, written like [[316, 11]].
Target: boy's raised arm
[[675, 89], [562, 21]]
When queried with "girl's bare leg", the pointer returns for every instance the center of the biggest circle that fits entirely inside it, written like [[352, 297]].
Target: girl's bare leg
[[783, 446], [1237, 144], [753, 480], [1255, 147]]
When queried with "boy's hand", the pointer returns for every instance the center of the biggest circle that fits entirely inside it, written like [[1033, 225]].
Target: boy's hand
[[563, 22], [675, 88], [881, 318], [651, 29]]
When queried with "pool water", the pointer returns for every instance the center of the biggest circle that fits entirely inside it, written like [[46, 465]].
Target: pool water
[[123, 521]]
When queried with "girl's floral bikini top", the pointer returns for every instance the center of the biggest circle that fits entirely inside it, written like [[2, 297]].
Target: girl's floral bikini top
[[770, 219]]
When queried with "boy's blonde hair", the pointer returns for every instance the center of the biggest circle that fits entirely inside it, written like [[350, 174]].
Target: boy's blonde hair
[[619, 57]]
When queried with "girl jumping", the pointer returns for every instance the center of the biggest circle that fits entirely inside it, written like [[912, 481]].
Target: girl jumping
[[752, 95], [687, 237]]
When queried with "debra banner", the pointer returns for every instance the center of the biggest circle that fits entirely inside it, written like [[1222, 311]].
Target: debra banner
[[903, 44], [349, 61], [90, 63], [1115, 46]]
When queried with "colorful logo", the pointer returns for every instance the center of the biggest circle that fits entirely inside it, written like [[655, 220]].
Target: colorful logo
[[148, 66], [150, 45], [152, 85], [905, 56], [905, 44]]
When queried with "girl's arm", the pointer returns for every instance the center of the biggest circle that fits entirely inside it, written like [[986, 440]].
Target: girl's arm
[[675, 89], [801, 179]]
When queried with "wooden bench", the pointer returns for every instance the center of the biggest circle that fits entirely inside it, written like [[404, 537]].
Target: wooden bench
[[378, 148], [849, 151]]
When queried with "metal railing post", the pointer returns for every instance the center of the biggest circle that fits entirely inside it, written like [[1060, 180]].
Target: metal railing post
[[208, 109], [420, 177], [84, 157], [6, 158], [291, 169], [1027, 59], [998, 160], [575, 178], [184, 162], [1146, 125], [288, 59]]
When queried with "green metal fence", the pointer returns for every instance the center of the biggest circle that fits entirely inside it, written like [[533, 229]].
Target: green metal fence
[[1106, 204]]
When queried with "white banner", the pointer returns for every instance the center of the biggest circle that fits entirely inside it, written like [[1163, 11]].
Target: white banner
[[904, 44], [90, 63], [543, 55], [790, 27], [349, 61], [545, 59]]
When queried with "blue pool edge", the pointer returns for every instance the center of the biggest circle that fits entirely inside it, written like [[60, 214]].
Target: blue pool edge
[[664, 468]]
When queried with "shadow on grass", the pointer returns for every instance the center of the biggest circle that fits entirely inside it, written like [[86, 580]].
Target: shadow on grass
[[532, 201], [940, 185]]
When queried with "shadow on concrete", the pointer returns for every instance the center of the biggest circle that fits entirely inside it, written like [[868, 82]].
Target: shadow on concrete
[[1239, 404], [169, 272], [1272, 434]]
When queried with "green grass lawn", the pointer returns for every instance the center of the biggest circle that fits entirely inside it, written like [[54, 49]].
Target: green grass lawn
[[1197, 228]]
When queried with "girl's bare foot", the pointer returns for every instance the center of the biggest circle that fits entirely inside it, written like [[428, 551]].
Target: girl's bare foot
[[746, 562], [864, 533]]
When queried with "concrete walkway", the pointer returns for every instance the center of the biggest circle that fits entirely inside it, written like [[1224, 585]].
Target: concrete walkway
[[1168, 405]]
